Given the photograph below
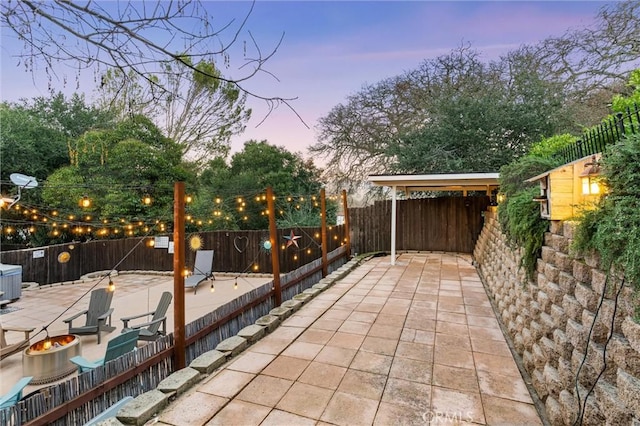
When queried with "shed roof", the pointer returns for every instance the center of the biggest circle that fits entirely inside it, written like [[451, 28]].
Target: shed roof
[[438, 182]]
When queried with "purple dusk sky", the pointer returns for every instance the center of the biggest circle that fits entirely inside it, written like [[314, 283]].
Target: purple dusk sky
[[331, 49]]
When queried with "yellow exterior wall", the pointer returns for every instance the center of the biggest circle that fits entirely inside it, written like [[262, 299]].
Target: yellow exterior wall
[[565, 191]]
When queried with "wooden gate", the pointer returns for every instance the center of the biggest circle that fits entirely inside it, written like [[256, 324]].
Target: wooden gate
[[429, 224]]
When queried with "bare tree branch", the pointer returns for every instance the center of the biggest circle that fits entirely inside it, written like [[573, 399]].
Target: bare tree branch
[[134, 37]]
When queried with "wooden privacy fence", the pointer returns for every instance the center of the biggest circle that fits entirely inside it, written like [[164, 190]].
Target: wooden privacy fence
[[235, 251], [428, 224], [81, 398]]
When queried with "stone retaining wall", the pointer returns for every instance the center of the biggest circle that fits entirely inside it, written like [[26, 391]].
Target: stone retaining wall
[[560, 326]]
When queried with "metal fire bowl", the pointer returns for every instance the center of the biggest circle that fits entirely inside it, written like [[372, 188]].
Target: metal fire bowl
[[50, 365]]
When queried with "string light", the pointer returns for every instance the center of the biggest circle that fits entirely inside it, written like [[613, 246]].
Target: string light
[[46, 345], [111, 287], [213, 288], [235, 284], [85, 202], [71, 223]]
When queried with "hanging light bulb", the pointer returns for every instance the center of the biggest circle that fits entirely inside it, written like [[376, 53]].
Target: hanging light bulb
[[235, 285], [213, 288], [46, 345], [112, 286], [85, 202]]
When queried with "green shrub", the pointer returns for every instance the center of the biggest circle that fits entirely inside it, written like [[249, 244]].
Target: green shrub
[[519, 215], [547, 147], [523, 226], [613, 229], [514, 175]]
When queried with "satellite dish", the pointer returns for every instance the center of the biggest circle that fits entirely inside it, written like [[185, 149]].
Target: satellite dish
[[23, 181]]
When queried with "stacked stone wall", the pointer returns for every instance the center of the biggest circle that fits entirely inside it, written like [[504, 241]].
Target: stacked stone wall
[[560, 325]]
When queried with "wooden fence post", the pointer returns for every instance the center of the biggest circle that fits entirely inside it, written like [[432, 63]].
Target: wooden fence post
[[347, 234], [275, 247], [323, 221], [178, 275]]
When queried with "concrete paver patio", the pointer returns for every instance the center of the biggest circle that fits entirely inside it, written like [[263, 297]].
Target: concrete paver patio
[[136, 293], [414, 343]]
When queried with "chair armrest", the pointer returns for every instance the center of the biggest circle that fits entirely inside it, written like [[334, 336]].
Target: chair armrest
[[147, 324], [79, 314], [126, 320], [15, 393], [137, 316], [86, 365], [25, 330], [105, 318], [106, 315]]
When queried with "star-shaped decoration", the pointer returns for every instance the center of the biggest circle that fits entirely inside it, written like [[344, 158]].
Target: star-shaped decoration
[[292, 239]]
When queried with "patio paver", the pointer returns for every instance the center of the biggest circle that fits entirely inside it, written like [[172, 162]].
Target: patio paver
[[413, 343]]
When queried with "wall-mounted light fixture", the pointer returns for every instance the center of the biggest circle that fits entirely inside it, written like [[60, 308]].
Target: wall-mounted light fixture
[[589, 178]]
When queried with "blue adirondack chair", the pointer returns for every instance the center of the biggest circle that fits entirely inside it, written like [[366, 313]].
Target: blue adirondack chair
[[118, 346], [15, 393]]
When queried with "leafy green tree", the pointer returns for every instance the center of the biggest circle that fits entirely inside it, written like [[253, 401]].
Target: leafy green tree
[[620, 103], [240, 187], [27, 146], [456, 112], [116, 169], [547, 147], [34, 134], [479, 123], [198, 110], [71, 116]]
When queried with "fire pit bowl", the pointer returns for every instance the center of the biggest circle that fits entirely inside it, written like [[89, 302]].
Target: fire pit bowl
[[48, 360]]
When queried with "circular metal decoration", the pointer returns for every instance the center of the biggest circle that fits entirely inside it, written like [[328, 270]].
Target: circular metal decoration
[[195, 242], [64, 257]]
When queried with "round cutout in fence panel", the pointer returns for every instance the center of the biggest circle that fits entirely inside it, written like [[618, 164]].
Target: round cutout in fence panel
[[195, 242], [64, 257]]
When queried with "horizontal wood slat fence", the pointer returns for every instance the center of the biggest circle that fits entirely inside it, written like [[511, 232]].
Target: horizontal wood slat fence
[[235, 251], [81, 398], [428, 224]]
